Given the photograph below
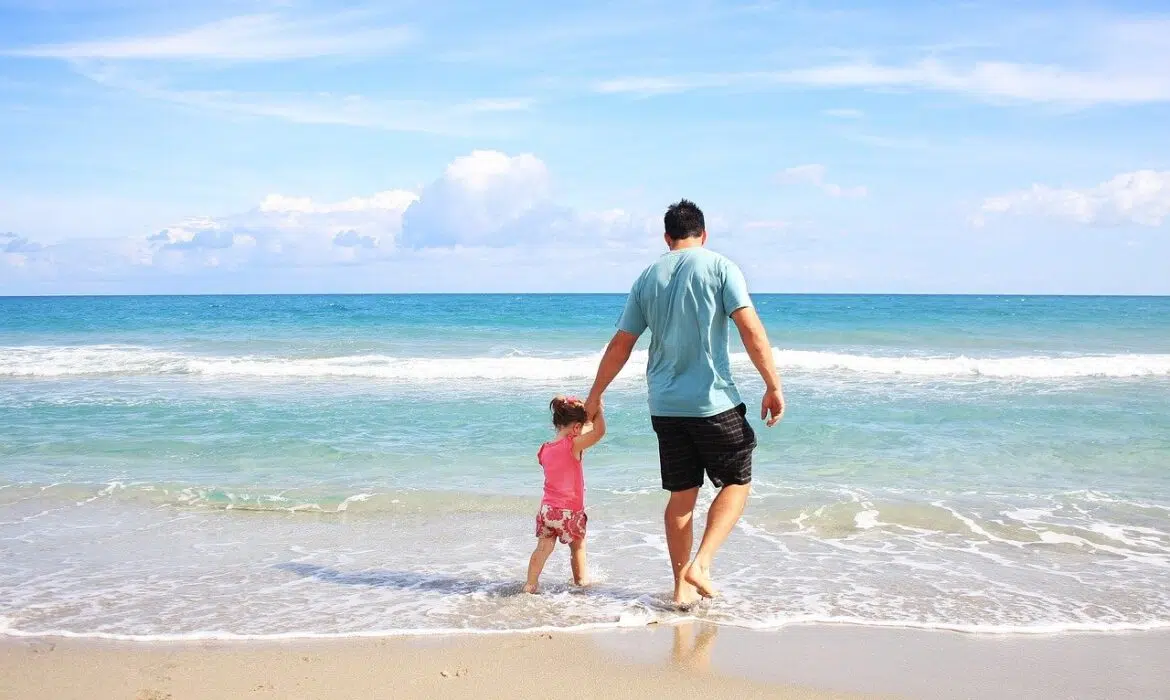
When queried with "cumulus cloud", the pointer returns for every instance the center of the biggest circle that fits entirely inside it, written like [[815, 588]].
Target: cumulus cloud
[[1141, 197], [353, 239], [196, 237], [287, 231], [489, 216], [12, 243], [486, 198], [814, 174]]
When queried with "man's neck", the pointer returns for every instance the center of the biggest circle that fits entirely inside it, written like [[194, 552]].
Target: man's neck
[[686, 244]]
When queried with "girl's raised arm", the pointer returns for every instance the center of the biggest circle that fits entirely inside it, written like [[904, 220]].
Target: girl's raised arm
[[590, 435]]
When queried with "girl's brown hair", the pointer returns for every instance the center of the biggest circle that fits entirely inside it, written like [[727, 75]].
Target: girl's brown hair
[[567, 410]]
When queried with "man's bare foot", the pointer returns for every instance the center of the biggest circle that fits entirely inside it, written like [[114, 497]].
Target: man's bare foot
[[685, 595], [531, 588], [700, 577]]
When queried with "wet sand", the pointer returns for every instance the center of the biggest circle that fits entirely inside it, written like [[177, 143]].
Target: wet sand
[[683, 661]]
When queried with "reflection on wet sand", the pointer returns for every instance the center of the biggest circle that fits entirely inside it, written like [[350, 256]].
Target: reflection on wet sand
[[692, 646]]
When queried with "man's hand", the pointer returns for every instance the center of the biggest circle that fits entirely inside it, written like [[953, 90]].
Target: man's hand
[[755, 341], [773, 404], [592, 406]]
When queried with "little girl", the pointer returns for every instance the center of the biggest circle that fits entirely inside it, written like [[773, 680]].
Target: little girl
[[562, 509]]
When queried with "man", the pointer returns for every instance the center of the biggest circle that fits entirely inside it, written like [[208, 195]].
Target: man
[[686, 299]]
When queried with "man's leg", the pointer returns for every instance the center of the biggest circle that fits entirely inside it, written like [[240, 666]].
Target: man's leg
[[725, 443], [682, 476], [721, 519], [680, 539]]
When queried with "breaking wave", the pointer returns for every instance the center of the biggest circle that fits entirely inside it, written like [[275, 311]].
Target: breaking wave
[[105, 360]]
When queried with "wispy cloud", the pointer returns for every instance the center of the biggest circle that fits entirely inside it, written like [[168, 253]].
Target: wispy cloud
[[499, 104], [997, 81], [1118, 62], [260, 37], [890, 142], [814, 174], [468, 117], [1141, 197], [459, 119]]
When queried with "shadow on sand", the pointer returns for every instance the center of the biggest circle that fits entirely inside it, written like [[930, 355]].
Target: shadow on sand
[[456, 585], [405, 580]]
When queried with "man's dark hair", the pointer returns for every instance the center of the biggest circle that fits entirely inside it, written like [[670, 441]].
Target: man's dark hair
[[684, 219]]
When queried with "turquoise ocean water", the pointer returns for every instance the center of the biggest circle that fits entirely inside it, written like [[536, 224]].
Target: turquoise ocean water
[[349, 465]]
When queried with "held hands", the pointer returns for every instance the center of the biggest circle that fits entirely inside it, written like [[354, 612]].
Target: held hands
[[593, 406], [773, 404]]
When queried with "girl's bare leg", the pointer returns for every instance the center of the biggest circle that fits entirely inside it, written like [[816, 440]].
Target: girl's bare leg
[[544, 547], [580, 569]]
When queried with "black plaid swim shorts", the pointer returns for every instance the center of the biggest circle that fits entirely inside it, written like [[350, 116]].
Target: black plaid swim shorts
[[720, 446]]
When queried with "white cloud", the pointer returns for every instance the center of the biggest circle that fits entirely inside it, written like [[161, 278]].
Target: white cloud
[[650, 86], [498, 104], [990, 80], [459, 119], [286, 231], [891, 142], [490, 214], [814, 174], [390, 200], [15, 245], [1117, 62], [485, 198], [353, 239], [476, 116], [1141, 197], [264, 37]]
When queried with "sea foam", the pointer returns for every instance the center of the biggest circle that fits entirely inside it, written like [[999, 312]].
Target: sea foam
[[106, 360]]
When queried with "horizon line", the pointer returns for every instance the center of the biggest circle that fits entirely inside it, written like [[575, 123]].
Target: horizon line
[[1082, 295]]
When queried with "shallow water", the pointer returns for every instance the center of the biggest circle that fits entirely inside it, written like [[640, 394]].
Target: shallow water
[[303, 465]]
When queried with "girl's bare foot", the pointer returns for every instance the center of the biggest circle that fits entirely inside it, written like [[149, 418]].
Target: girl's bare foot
[[583, 583], [531, 588], [699, 576]]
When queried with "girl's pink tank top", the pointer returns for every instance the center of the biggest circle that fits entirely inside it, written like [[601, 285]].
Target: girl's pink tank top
[[564, 479]]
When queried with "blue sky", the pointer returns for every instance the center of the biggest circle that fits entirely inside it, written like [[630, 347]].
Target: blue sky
[[288, 146]]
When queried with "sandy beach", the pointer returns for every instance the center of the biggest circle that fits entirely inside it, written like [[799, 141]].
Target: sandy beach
[[479, 666], [684, 661]]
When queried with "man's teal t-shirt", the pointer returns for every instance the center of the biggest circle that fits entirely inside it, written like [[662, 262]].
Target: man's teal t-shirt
[[686, 299]]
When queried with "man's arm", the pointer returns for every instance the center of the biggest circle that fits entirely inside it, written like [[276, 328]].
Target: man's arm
[[755, 340], [617, 354]]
